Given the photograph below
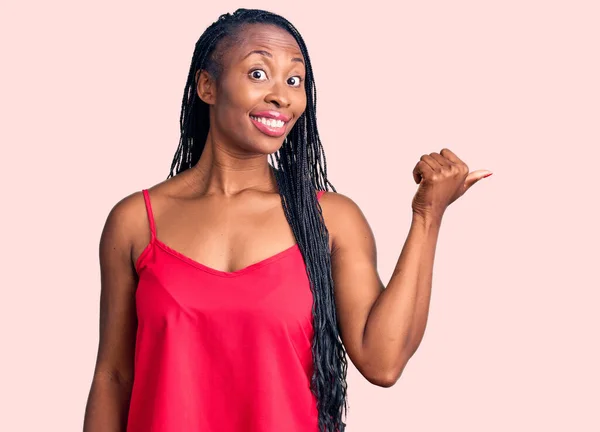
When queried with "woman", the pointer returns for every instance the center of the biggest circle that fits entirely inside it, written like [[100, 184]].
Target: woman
[[218, 308]]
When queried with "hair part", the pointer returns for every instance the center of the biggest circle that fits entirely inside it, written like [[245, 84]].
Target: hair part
[[301, 171]]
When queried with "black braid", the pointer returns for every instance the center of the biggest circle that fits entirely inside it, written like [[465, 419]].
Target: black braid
[[302, 170]]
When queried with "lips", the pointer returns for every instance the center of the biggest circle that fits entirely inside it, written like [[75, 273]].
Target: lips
[[271, 123], [275, 115]]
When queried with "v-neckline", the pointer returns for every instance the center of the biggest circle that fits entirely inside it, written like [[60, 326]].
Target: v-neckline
[[223, 273]]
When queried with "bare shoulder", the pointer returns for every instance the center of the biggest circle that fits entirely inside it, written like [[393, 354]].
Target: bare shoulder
[[338, 201], [127, 223], [127, 209], [124, 223], [340, 209], [344, 219]]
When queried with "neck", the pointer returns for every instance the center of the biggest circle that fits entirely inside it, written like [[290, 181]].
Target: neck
[[225, 171]]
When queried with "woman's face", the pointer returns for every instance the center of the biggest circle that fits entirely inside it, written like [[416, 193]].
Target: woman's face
[[260, 93]]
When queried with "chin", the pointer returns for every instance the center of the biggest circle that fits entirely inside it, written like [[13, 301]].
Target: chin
[[265, 147], [257, 142]]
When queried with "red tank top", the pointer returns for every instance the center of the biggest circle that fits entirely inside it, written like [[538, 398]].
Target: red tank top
[[221, 351]]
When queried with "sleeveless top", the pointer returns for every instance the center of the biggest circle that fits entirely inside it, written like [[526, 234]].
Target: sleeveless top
[[221, 351]]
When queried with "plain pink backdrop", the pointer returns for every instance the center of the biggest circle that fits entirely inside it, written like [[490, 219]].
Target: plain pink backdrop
[[91, 95]]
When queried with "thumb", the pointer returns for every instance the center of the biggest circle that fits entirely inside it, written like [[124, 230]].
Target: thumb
[[475, 176]]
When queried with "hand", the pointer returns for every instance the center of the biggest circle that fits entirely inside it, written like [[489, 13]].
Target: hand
[[442, 178]]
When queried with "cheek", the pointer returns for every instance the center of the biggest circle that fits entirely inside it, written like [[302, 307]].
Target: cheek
[[233, 94], [232, 108], [301, 103]]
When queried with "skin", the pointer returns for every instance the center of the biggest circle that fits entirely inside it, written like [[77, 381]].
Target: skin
[[226, 213]]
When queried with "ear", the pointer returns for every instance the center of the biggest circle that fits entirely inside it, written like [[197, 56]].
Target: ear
[[206, 87]]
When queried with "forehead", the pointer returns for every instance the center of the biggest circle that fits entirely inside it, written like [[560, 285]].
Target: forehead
[[264, 36]]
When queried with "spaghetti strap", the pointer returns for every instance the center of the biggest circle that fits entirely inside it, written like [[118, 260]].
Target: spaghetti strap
[[150, 215], [320, 194]]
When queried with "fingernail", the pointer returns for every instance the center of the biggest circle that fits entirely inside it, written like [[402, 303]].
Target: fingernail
[[487, 175]]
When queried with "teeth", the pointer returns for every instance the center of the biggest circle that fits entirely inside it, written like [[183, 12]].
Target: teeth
[[269, 122]]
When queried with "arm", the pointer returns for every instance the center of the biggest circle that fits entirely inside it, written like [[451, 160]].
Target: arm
[[108, 401], [380, 328]]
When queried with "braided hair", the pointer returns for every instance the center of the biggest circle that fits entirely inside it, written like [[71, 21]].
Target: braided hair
[[302, 170]]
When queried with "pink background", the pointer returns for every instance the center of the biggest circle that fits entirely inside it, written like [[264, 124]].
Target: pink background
[[91, 94]]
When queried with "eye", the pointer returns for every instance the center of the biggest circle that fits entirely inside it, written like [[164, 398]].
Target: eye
[[258, 74], [297, 82]]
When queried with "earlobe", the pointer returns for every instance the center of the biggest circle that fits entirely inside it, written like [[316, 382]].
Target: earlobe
[[205, 87]]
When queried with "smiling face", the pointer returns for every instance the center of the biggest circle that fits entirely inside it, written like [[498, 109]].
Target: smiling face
[[259, 91]]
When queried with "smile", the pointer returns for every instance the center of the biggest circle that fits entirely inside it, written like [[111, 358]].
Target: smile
[[269, 126]]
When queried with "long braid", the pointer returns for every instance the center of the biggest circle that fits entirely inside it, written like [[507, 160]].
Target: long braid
[[301, 171]]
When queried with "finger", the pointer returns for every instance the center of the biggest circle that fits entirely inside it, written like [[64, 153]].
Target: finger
[[422, 170], [449, 154], [474, 177], [431, 162], [440, 159]]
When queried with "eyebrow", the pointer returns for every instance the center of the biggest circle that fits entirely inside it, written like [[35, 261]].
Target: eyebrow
[[269, 55]]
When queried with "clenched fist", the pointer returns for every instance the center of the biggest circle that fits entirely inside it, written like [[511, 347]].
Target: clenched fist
[[442, 178]]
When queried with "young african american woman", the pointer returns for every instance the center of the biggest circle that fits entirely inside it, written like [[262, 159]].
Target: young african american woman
[[232, 291]]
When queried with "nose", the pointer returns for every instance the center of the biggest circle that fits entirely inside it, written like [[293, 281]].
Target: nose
[[278, 95]]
